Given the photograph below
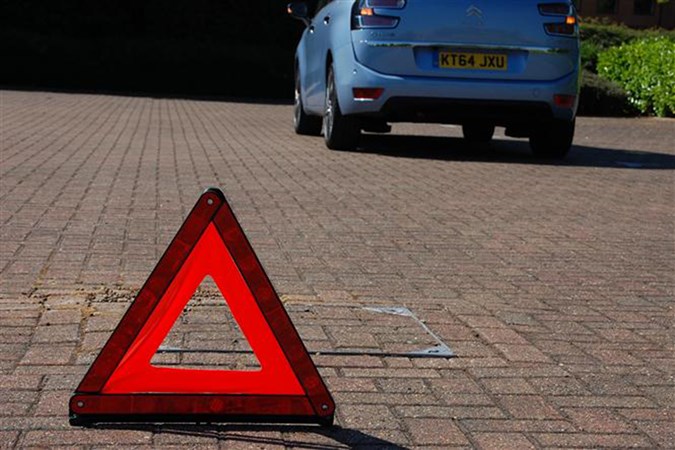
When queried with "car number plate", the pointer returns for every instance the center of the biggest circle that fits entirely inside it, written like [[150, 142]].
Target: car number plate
[[473, 61]]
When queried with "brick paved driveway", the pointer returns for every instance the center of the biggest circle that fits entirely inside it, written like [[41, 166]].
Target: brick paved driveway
[[553, 283]]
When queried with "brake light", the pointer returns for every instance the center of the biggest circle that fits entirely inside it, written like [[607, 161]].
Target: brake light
[[367, 94], [561, 29], [566, 10], [564, 101], [366, 14]]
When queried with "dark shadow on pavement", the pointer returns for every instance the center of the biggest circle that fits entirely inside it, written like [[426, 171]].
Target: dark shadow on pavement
[[508, 151], [246, 433]]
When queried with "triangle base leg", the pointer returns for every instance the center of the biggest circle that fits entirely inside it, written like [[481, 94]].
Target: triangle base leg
[[89, 409], [91, 420]]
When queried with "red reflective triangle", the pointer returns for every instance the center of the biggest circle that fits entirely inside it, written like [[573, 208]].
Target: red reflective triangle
[[123, 385]]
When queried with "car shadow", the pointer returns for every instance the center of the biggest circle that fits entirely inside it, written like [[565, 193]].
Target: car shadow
[[298, 436], [508, 151]]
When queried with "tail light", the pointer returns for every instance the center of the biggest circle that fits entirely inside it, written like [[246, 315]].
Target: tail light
[[564, 101], [376, 13], [562, 10], [367, 94], [561, 29]]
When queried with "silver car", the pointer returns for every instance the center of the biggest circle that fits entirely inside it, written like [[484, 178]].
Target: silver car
[[363, 64]]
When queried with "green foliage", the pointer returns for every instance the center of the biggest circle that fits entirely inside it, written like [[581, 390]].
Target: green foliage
[[589, 55], [646, 70], [598, 35]]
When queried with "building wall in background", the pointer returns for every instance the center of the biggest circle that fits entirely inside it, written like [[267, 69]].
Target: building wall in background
[[634, 13], [183, 47]]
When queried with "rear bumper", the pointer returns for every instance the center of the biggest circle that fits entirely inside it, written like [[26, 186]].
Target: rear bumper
[[455, 100], [440, 110]]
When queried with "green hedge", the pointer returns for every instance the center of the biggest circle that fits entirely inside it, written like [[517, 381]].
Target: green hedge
[[646, 70], [597, 36], [602, 96]]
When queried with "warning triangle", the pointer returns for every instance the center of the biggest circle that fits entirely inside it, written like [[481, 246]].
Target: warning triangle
[[123, 385]]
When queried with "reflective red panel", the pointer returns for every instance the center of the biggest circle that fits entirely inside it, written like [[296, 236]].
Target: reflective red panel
[[123, 385]]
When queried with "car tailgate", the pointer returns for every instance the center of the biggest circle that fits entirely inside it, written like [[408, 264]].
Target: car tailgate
[[430, 32]]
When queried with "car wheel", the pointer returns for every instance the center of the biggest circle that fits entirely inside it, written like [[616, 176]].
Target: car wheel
[[553, 139], [340, 132], [478, 132], [303, 123]]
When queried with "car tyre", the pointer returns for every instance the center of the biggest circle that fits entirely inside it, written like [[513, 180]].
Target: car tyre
[[340, 132], [303, 123], [478, 133], [553, 140]]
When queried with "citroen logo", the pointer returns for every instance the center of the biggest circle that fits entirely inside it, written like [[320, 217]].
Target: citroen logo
[[474, 11]]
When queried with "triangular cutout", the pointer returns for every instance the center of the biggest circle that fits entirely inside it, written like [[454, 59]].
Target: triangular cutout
[[209, 256], [122, 384], [206, 336]]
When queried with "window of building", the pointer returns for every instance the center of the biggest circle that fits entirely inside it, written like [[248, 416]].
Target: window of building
[[643, 7], [607, 6]]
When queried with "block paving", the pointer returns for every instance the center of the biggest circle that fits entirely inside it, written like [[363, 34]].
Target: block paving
[[552, 282]]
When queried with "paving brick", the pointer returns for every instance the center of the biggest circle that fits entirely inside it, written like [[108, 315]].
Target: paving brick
[[15, 396], [450, 398], [528, 407], [503, 425], [501, 335], [456, 383], [597, 421], [502, 441], [522, 353], [336, 384], [385, 398], [603, 402], [301, 438], [8, 438], [52, 403], [508, 386], [660, 432], [185, 437], [246, 444], [15, 409], [591, 440], [435, 432], [552, 282], [384, 373], [62, 381], [456, 412], [20, 382], [368, 416], [86, 437], [648, 414], [48, 355], [56, 333], [348, 361], [372, 438], [61, 317], [404, 386], [559, 386]]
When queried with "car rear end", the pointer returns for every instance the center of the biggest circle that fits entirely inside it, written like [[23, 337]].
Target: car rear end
[[509, 62]]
